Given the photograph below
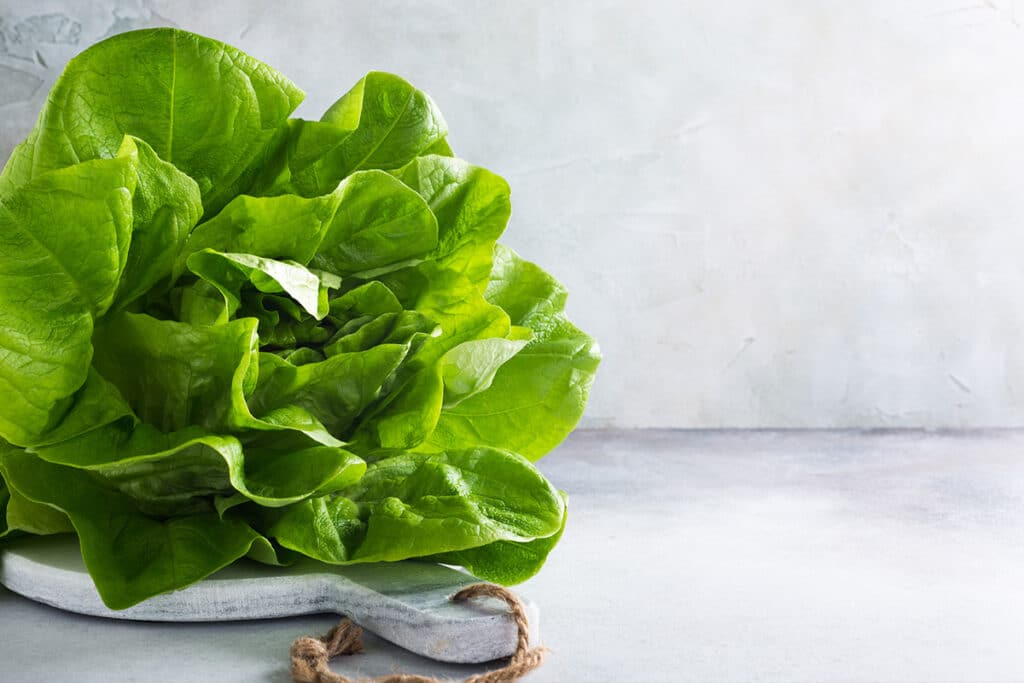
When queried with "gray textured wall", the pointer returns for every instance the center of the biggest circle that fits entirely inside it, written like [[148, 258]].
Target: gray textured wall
[[797, 213]]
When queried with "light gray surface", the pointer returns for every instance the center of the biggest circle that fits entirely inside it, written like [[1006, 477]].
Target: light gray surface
[[703, 556], [406, 603], [807, 211]]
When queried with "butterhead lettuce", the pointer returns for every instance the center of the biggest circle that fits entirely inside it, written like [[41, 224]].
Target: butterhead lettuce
[[228, 333]]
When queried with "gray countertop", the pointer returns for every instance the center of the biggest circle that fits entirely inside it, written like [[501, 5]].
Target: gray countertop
[[705, 556]]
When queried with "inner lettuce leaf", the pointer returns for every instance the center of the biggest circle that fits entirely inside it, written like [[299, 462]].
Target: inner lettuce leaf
[[226, 333], [230, 273]]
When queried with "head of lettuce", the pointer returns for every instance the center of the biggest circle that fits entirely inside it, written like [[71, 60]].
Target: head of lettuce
[[228, 333]]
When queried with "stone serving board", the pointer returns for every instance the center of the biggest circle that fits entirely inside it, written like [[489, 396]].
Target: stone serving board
[[406, 603]]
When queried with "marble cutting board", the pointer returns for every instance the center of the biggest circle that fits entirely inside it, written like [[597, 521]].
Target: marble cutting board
[[404, 602]]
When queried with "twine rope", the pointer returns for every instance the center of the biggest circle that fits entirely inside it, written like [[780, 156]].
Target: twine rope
[[310, 656]]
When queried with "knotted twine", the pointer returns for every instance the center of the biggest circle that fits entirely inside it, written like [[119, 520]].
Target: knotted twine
[[310, 655]]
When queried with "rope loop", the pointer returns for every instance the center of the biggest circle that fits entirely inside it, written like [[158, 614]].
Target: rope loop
[[310, 656]]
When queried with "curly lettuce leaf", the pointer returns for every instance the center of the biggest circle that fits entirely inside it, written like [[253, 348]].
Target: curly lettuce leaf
[[130, 556], [206, 107], [506, 562], [335, 390], [383, 122], [63, 245], [172, 473], [175, 375], [536, 398], [166, 205], [423, 504], [30, 517], [229, 273]]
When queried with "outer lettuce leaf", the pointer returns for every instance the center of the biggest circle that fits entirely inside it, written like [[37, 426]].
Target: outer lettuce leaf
[[394, 123], [206, 107], [505, 562], [538, 396], [63, 244], [130, 556], [327, 529], [174, 472], [419, 504], [36, 518]]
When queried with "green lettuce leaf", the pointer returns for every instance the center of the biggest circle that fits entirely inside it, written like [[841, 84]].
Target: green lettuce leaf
[[420, 504], [35, 518], [168, 473], [506, 562], [286, 227], [383, 122], [5, 497], [536, 398], [64, 241], [229, 273], [380, 225], [129, 555], [206, 107], [175, 375], [97, 404], [369, 224], [165, 206], [335, 390]]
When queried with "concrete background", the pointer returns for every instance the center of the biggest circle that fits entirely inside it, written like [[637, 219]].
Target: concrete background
[[792, 214]]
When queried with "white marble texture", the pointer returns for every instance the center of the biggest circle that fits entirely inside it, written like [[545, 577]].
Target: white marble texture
[[803, 213], [692, 556]]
